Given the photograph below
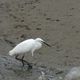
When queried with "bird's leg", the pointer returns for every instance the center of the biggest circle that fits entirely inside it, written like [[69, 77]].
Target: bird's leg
[[32, 52], [23, 60], [16, 57], [20, 59], [29, 65]]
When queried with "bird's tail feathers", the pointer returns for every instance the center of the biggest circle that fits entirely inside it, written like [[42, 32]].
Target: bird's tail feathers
[[11, 53]]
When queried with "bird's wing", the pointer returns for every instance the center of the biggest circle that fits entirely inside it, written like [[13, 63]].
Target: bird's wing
[[24, 46]]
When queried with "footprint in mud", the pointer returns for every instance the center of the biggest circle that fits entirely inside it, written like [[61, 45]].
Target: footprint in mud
[[38, 29], [49, 19], [23, 36], [22, 20], [72, 8], [14, 17], [57, 20], [22, 26], [10, 42]]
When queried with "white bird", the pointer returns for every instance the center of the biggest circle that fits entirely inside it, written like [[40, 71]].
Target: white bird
[[29, 45]]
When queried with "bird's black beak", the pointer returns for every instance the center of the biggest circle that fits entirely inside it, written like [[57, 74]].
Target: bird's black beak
[[46, 44]]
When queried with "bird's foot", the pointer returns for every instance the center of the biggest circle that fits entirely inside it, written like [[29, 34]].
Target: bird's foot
[[23, 63], [30, 67], [29, 64]]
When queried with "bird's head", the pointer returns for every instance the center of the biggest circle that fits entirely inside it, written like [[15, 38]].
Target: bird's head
[[42, 41], [39, 40]]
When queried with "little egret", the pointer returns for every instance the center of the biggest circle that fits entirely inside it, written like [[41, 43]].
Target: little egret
[[29, 45]]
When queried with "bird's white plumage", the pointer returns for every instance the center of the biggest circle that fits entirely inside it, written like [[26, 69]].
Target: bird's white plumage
[[29, 45]]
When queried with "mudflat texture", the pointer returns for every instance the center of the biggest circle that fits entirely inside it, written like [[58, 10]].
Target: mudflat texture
[[55, 21], [11, 69]]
